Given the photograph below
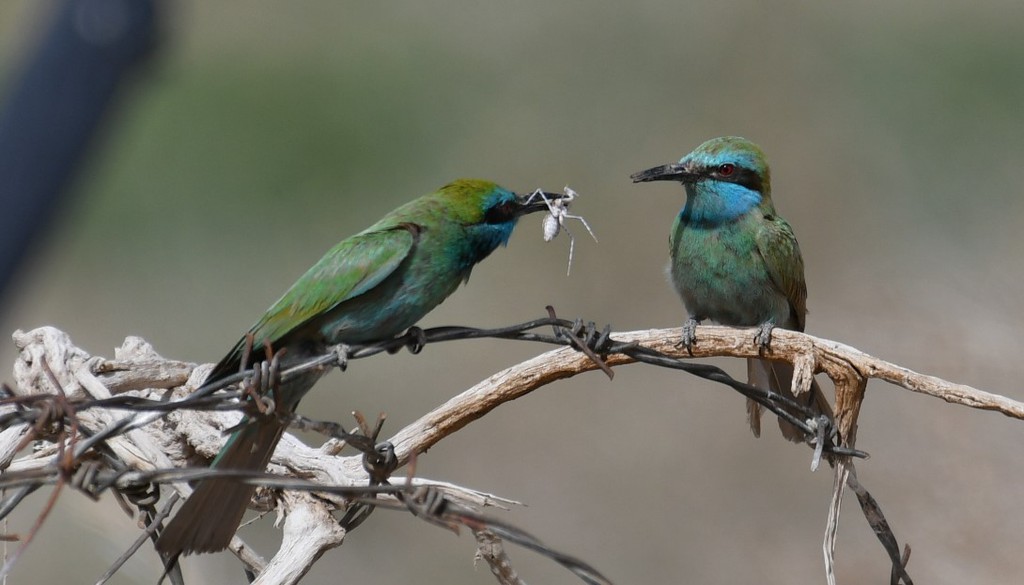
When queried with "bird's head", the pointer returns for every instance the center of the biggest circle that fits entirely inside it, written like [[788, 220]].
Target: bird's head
[[488, 211], [724, 177], [476, 201]]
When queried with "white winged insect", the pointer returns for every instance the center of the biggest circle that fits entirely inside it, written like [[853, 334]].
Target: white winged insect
[[558, 212]]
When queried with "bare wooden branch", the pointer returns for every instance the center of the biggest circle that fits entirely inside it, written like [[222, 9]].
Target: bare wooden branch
[[309, 531], [491, 550], [848, 367], [167, 441], [161, 440]]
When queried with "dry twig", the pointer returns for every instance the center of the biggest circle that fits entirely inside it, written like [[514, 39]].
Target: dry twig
[[131, 417]]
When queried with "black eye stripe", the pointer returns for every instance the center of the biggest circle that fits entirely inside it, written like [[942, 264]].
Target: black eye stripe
[[500, 213], [740, 175], [747, 178]]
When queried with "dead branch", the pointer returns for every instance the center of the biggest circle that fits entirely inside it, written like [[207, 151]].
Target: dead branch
[[167, 438], [843, 364]]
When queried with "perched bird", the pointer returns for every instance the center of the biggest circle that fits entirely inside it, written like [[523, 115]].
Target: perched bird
[[371, 286], [735, 261]]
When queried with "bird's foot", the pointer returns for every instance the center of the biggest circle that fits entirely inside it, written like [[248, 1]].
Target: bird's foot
[[763, 337], [416, 339], [341, 353], [689, 337]]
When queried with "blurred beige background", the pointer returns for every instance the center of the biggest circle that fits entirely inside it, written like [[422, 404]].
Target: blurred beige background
[[267, 131]]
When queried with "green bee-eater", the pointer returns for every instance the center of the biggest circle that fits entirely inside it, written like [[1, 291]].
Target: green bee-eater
[[734, 260], [370, 287]]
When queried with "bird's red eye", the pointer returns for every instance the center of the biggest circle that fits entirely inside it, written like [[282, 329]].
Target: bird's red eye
[[726, 169]]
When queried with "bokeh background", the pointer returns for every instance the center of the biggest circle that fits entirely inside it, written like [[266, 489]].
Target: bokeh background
[[263, 132]]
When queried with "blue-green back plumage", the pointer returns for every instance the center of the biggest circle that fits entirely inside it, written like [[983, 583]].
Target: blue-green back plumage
[[381, 281]]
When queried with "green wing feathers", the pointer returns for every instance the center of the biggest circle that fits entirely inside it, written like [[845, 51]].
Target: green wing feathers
[[781, 253], [353, 267], [348, 270]]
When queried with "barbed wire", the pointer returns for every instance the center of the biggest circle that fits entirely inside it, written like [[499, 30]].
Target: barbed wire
[[84, 463], [586, 338]]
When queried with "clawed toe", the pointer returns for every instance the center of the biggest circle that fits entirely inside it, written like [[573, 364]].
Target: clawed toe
[[689, 337], [763, 337]]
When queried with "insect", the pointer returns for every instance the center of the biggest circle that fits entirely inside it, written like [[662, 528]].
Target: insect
[[558, 212]]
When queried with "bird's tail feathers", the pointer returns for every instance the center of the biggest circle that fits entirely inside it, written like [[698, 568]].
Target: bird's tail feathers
[[211, 515], [778, 377]]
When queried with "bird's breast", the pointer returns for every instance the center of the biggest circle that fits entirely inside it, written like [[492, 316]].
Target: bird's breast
[[720, 275]]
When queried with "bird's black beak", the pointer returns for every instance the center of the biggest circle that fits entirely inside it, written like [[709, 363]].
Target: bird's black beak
[[533, 202], [671, 172]]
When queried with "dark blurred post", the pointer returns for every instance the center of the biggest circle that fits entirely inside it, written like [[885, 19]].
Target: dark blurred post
[[54, 108]]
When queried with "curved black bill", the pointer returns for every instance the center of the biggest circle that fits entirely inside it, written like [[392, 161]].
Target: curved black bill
[[670, 172], [533, 202]]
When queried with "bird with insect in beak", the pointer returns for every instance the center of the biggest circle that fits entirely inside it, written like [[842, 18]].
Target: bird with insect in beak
[[735, 261], [370, 287]]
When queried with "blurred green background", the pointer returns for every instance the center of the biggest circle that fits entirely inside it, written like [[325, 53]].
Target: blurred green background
[[265, 132]]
